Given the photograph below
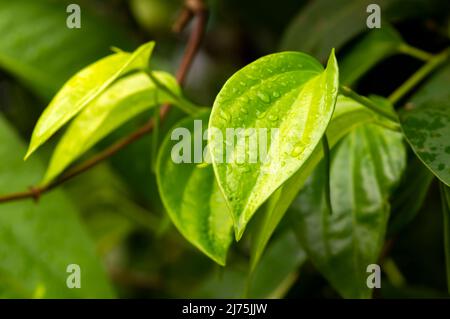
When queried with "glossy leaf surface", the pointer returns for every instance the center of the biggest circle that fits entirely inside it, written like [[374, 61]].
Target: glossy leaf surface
[[288, 92], [83, 88], [121, 102], [191, 195], [426, 125], [366, 166], [348, 115]]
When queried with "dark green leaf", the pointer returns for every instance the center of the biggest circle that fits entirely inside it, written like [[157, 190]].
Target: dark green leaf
[[287, 91], [348, 115], [410, 195], [192, 197], [366, 166], [426, 125], [39, 241], [38, 48], [445, 197]]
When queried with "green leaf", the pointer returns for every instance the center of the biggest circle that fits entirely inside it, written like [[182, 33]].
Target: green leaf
[[124, 100], [376, 46], [83, 88], [287, 91], [276, 273], [278, 268], [415, 184], [426, 124], [366, 166], [322, 24], [348, 115], [42, 52], [191, 195], [427, 130], [445, 197], [39, 241]]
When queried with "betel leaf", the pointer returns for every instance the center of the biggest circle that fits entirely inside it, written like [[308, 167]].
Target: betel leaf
[[365, 168], [427, 131], [415, 184], [347, 116], [39, 49], [38, 242], [445, 198], [373, 48], [83, 88], [426, 124], [276, 273], [287, 93], [322, 24], [125, 99], [190, 193]]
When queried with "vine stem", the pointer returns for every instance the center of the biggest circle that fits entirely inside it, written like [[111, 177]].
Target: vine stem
[[419, 75], [415, 52], [192, 9], [345, 90]]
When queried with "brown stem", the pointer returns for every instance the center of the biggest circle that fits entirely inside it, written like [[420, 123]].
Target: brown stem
[[197, 9]]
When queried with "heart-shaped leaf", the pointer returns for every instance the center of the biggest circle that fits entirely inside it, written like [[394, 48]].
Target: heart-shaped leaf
[[190, 193], [365, 168], [83, 88], [288, 94], [373, 48], [347, 116], [118, 104]]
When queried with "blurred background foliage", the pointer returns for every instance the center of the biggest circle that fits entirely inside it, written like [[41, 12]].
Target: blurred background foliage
[[113, 216]]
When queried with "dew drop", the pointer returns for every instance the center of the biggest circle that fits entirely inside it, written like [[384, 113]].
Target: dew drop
[[273, 118], [263, 97], [276, 94]]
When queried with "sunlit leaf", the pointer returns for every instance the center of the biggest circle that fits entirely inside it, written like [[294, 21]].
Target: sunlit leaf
[[191, 195], [366, 166], [348, 115], [39, 241], [121, 102], [83, 88], [288, 92]]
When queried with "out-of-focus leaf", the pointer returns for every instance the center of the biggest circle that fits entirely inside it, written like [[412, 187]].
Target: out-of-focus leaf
[[365, 168], [445, 197], [272, 278], [373, 48], [323, 24], [410, 195], [38, 48], [121, 102], [426, 125], [83, 88], [39, 241], [289, 92], [427, 130], [191, 195], [348, 115], [278, 268]]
